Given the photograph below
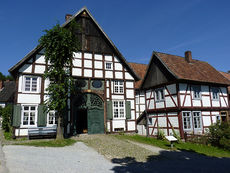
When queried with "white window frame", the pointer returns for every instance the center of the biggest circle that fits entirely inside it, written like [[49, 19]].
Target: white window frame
[[37, 84], [194, 118], [119, 109], [160, 93], [218, 93], [120, 87], [194, 87], [187, 129], [48, 115], [108, 62], [36, 115]]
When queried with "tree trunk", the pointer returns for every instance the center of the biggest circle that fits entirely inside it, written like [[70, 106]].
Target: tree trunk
[[59, 128]]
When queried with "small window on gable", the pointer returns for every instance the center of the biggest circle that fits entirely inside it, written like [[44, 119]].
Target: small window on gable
[[108, 65], [30, 84], [215, 93], [196, 92], [159, 94]]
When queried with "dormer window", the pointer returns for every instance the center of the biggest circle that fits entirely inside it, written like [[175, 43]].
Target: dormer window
[[196, 92], [215, 93], [108, 65]]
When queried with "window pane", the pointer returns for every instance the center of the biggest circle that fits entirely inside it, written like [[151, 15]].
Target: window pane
[[26, 107], [121, 113], [116, 113], [25, 118], [32, 108], [32, 118]]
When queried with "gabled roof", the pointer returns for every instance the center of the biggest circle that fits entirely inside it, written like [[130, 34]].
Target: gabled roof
[[140, 70], [7, 92], [196, 70], [227, 76], [120, 56]]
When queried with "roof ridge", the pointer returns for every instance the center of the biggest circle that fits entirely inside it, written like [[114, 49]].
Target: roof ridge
[[181, 57]]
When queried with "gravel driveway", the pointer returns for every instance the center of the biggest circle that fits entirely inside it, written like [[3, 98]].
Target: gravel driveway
[[77, 158]]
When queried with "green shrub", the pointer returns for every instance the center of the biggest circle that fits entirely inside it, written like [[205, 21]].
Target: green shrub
[[219, 135], [6, 116], [160, 134]]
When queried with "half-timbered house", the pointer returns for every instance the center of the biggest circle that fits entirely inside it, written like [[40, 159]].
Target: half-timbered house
[[104, 100], [182, 95]]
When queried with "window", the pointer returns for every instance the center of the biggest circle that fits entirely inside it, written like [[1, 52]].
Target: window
[[29, 115], [118, 109], [215, 93], [197, 120], [108, 65], [187, 120], [31, 84], [159, 94], [119, 87], [196, 92], [52, 120]]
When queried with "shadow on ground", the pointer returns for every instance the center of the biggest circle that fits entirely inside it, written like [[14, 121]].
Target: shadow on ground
[[173, 162]]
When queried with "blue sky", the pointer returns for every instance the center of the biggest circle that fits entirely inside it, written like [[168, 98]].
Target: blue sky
[[136, 27]]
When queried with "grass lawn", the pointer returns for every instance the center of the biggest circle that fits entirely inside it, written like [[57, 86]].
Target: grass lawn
[[198, 148], [49, 143]]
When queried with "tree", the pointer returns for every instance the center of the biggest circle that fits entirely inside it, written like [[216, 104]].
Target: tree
[[59, 44]]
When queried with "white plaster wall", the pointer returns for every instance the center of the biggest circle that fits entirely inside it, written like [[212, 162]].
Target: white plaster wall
[[107, 93], [76, 72], [224, 91], [29, 98], [87, 73], [40, 59], [206, 120], [141, 130], [132, 114], [128, 76], [196, 102], [174, 121], [87, 55], [118, 66], [77, 55], [131, 125], [116, 59], [159, 105], [108, 126], [142, 108], [39, 69], [27, 68], [187, 101], [162, 122], [98, 73], [206, 101], [88, 63], [98, 65], [77, 62], [108, 58], [142, 100], [169, 102], [205, 113], [223, 104], [20, 85], [118, 124], [129, 84], [21, 132], [98, 57], [108, 74], [129, 93], [118, 75], [118, 97], [151, 104], [215, 103]]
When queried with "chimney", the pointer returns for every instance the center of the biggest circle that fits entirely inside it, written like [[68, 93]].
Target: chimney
[[68, 16], [1, 84], [188, 56]]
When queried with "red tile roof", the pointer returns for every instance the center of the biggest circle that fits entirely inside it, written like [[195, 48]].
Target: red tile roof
[[140, 70], [195, 71]]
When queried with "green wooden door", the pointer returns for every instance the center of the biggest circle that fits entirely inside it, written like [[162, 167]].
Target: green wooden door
[[95, 121]]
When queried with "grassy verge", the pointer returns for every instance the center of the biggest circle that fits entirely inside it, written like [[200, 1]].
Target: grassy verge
[[49, 143], [198, 148]]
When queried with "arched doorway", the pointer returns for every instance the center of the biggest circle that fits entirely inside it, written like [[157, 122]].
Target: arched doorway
[[88, 110]]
